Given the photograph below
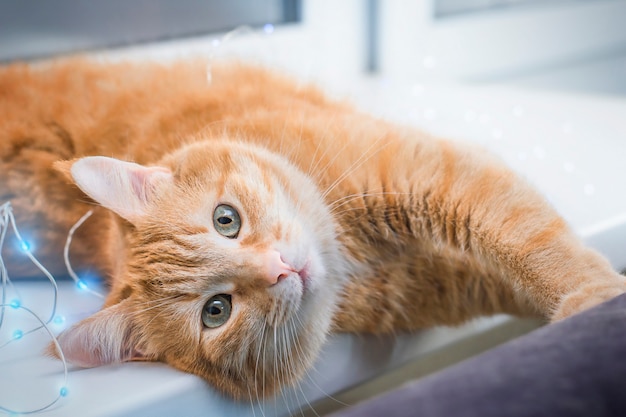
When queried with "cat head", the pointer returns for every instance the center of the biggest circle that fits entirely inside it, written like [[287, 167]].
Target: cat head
[[232, 267]]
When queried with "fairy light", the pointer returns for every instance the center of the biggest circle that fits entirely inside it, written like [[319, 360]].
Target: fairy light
[[217, 44], [7, 220], [24, 246], [19, 334], [80, 283], [268, 28]]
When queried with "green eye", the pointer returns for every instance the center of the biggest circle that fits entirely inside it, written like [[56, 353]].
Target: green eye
[[226, 221], [216, 311]]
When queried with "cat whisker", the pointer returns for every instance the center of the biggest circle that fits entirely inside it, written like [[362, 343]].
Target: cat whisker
[[388, 211], [282, 133], [208, 127], [174, 313], [337, 154], [330, 162], [298, 347], [283, 376], [157, 303], [365, 157], [264, 363], [341, 200], [251, 402], [261, 345], [277, 353], [302, 117], [320, 140], [349, 198], [370, 193], [289, 334]]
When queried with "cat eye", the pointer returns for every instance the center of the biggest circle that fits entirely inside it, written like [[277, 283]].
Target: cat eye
[[226, 221], [216, 311]]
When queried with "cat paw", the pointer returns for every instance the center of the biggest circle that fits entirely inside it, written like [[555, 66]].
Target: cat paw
[[585, 298]]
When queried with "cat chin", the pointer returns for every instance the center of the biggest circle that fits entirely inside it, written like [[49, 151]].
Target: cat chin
[[320, 297], [305, 275]]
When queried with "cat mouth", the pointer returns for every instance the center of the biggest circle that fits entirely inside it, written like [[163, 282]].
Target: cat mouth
[[303, 273]]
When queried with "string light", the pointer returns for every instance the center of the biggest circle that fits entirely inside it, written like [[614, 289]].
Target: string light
[[24, 246], [19, 334], [7, 220], [80, 283], [218, 43], [268, 28]]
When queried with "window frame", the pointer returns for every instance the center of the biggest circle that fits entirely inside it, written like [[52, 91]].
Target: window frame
[[495, 44]]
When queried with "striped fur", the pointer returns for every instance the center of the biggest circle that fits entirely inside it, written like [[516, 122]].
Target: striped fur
[[398, 230]]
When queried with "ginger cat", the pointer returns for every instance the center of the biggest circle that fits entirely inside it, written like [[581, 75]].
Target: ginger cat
[[238, 222]]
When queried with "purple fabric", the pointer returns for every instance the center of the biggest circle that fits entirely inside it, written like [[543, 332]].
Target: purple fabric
[[576, 367]]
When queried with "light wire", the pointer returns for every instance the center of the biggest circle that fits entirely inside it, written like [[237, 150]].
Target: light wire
[[7, 219], [66, 256]]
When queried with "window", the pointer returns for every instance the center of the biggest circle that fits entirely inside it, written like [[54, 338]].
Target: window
[[435, 40], [34, 28], [447, 8]]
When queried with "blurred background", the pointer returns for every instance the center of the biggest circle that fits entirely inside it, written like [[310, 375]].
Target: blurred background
[[541, 83], [577, 45]]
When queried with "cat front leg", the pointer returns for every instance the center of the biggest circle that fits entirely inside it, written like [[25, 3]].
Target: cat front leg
[[468, 201], [586, 297]]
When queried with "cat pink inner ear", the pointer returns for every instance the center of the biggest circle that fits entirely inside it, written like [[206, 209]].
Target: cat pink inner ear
[[124, 187], [106, 337]]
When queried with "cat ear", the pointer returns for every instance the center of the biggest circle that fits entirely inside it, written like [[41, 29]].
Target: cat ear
[[108, 336], [123, 187]]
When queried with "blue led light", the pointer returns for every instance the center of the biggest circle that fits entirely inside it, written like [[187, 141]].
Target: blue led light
[[24, 246], [81, 284], [268, 28], [7, 220]]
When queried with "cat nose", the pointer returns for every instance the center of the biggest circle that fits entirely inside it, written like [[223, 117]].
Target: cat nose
[[275, 268]]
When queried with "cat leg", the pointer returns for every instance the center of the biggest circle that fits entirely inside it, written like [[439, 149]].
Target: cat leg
[[460, 199], [466, 200]]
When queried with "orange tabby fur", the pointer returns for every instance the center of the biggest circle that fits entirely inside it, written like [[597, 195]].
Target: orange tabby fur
[[402, 230]]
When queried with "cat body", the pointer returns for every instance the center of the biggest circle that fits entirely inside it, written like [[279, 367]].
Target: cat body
[[300, 214]]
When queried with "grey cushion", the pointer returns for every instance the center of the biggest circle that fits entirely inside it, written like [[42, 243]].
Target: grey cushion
[[576, 367]]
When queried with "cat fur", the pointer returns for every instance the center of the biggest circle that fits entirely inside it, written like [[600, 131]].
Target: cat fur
[[386, 229]]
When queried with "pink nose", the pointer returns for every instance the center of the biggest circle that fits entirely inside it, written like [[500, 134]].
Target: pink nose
[[275, 268]]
